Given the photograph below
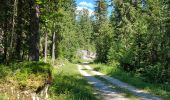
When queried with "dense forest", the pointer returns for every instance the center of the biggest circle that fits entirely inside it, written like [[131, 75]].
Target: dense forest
[[135, 37]]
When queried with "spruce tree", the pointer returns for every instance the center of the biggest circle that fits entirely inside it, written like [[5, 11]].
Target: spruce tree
[[102, 31]]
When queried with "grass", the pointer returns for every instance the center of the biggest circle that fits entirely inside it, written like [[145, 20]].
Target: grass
[[162, 90], [3, 97], [70, 85], [67, 84], [23, 76]]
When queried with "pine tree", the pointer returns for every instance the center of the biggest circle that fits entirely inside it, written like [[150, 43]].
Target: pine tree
[[85, 30], [102, 31]]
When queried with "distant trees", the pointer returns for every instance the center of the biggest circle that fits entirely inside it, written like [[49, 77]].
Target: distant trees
[[85, 30]]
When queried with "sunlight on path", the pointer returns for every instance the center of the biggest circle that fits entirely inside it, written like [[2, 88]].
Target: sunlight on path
[[142, 94], [104, 90]]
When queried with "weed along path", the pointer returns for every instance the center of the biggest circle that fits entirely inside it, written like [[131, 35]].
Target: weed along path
[[100, 80]]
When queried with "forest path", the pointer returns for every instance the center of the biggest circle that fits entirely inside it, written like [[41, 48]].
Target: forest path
[[106, 91]]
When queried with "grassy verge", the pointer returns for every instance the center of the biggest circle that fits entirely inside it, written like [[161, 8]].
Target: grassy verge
[[70, 85], [162, 90], [23, 76]]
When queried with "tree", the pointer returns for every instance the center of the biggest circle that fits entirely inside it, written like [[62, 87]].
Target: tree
[[102, 31], [19, 30], [34, 31], [140, 32], [85, 30]]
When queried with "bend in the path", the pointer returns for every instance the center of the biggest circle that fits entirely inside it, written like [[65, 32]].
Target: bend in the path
[[106, 92], [140, 93]]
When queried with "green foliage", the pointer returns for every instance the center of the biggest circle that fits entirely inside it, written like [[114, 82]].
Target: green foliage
[[2, 97], [138, 42], [85, 30], [158, 73], [23, 75], [103, 31], [4, 70], [69, 84], [59, 17]]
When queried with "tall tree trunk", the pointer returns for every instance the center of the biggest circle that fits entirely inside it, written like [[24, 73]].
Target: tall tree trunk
[[6, 26], [13, 29], [34, 31], [19, 30], [53, 48], [5, 46], [46, 46]]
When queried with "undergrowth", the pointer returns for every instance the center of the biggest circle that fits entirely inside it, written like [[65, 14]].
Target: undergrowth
[[23, 76], [67, 83], [137, 80]]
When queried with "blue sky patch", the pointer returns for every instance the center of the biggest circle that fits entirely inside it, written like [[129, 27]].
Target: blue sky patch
[[90, 5]]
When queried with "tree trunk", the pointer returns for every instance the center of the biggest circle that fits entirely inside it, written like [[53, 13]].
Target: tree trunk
[[19, 30], [34, 31], [11, 49], [53, 48], [46, 46], [6, 26]]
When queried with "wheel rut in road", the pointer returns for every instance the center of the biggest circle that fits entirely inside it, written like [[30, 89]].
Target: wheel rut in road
[[106, 91]]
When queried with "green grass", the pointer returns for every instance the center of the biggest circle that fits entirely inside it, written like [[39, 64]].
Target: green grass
[[67, 84], [23, 76], [162, 90], [2, 97], [70, 85]]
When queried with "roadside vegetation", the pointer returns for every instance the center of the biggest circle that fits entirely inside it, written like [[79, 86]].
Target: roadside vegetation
[[137, 80], [69, 84], [16, 78]]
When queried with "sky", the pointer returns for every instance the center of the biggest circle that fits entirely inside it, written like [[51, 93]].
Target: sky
[[88, 4]]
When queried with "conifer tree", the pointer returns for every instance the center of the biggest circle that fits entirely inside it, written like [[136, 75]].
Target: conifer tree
[[102, 31]]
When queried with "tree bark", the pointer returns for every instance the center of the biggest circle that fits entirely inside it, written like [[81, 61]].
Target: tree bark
[[34, 31], [12, 37], [53, 48], [5, 28], [46, 46], [19, 30]]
